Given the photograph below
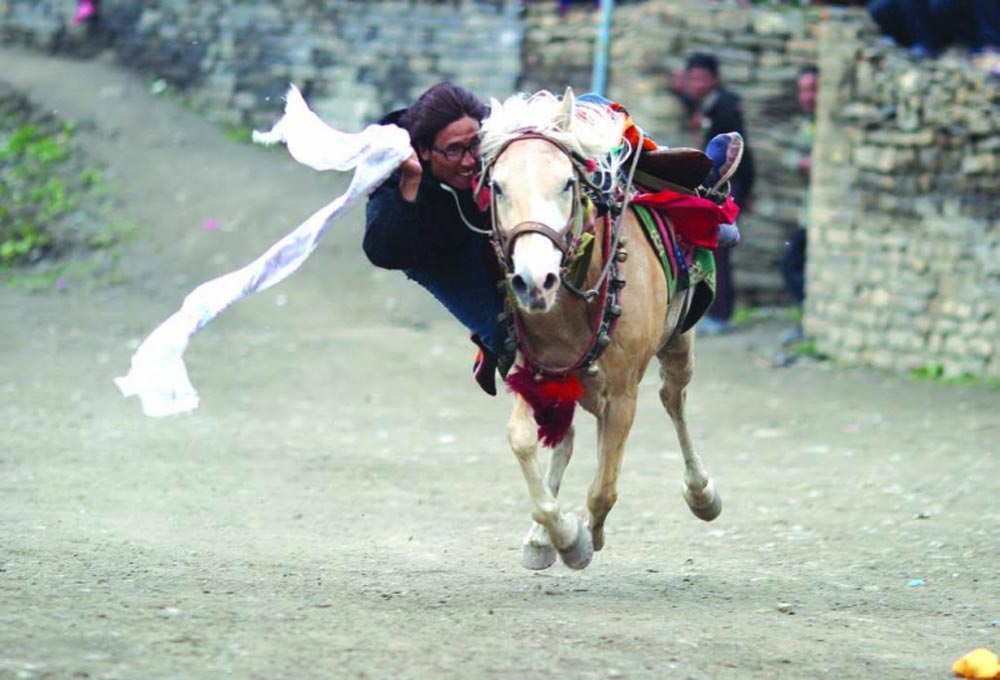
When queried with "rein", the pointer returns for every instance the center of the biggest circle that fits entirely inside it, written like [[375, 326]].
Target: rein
[[607, 288], [616, 228], [609, 309], [569, 243], [567, 239]]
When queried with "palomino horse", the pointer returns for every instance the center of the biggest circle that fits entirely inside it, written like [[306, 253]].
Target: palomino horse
[[542, 156]]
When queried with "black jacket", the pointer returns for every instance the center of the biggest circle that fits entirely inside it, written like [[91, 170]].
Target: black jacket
[[425, 233]]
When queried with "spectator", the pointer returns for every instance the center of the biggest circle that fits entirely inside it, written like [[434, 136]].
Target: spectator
[[799, 158], [563, 6], [927, 27], [714, 111]]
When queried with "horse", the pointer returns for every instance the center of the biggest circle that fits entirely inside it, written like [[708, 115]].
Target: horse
[[544, 158]]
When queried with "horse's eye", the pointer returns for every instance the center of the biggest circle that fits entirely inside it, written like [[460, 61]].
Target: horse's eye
[[497, 190], [568, 186]]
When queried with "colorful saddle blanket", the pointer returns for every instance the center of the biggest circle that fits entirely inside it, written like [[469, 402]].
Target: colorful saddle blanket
[[685, 265]]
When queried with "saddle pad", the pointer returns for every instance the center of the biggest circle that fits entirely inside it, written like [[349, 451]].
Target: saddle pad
[[684, 265]]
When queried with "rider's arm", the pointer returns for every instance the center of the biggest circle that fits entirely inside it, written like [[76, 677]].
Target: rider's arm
[[393, 238]]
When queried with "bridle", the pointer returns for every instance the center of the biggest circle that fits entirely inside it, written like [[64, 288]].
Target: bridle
[[606, 290], [569, 237]]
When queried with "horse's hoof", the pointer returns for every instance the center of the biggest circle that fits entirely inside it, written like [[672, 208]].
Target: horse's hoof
[[581, 551], [707, 504], [538, 557]]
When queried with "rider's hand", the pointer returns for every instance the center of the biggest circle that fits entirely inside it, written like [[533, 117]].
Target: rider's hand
[[409, 181]]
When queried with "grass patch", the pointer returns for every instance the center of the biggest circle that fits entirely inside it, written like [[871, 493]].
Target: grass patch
[[237, 133], [50, 200], [929, 372], [935, 373], [807, 348], [745, 315], [234, 132]]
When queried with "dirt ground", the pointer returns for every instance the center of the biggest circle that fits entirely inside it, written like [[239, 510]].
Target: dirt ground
[[344, 504]]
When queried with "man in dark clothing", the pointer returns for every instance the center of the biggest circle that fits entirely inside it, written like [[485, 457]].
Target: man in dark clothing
[[417, 219], [716, 111], [428, 241], [927, 27]]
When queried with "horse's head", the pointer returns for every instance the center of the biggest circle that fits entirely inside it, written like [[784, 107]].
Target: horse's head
[[534, 152]]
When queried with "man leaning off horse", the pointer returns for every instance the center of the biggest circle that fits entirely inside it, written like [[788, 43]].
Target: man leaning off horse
[[424, 220]]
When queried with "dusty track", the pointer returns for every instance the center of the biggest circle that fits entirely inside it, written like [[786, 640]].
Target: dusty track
[[344, 503]]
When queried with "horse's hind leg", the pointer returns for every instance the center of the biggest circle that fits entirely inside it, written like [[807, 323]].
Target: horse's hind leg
[[538, 552], [613, 426], [567, 533], [676, 368]]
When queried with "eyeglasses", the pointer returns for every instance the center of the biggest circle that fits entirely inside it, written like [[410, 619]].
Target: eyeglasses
[[456, 152]]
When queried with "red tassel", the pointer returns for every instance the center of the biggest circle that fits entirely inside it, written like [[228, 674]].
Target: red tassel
[[552, 399]]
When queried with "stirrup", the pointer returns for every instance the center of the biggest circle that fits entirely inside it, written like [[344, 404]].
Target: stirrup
[[726, 152]]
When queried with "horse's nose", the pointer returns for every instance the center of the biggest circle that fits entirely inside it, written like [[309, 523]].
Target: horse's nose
[[532, 291], [521, 283]]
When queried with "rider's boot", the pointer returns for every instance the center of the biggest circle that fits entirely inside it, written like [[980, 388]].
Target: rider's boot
[[726, 152], [484, 367]]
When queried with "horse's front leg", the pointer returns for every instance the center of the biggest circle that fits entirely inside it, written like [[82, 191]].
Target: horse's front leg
[[566, 532], [538, 550], [613, 426]]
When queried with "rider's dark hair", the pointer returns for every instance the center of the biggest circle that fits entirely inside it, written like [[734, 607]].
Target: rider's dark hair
[[437, 108]]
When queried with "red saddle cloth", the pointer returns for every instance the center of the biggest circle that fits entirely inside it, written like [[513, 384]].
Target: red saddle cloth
[[696, 219]]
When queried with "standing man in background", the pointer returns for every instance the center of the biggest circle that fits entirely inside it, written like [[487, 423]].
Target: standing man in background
[[715, 110], [799, 159]]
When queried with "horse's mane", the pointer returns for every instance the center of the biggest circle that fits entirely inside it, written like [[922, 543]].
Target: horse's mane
[[595, 131]]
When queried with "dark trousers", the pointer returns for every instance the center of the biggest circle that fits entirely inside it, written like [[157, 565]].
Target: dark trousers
[[987, 20], [725, 294], [793, 266], [937, 24], [466, 284], [725, 289]]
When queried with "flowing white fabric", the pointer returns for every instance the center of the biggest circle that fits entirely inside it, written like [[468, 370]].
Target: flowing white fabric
[[157, 374]]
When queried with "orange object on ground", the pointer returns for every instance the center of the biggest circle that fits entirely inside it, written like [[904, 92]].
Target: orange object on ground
[[979, 663]]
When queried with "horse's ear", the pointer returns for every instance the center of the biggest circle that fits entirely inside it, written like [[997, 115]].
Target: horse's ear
[[566, 112], [494, 107]]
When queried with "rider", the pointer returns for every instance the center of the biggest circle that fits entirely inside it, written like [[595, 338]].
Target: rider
[[416, 220], [422, 219]]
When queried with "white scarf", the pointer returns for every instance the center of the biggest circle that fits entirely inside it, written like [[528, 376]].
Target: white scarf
[[157, 374]]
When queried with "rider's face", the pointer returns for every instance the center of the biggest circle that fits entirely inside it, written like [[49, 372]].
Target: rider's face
[[454, 158]]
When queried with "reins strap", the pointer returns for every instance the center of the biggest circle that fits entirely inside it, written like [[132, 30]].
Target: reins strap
[[458, 206], [591, 294]]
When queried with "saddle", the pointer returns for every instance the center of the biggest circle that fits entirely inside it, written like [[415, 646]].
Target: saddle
[[682, 169]]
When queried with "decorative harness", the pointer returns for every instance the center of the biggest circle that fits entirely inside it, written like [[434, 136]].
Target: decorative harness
[[572, 243]]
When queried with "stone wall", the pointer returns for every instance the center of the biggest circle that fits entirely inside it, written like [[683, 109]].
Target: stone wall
[[760, 51], [357, 60], [353, 60], [904, 237], [904, 246]]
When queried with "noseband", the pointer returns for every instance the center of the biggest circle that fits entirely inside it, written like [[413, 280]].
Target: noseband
[[567, 239]]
